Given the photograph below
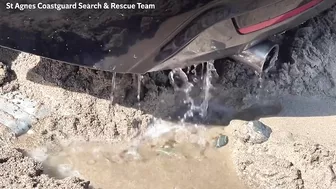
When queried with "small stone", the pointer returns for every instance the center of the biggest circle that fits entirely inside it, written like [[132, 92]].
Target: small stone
[[253, 132], [221, 141], [258, 132]]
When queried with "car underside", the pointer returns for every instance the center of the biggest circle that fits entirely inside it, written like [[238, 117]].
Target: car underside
[[143, 36]]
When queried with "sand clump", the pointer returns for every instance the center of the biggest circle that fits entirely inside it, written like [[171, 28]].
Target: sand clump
[[79, 108], [3, 73], [306, 65], [289, 159], [18, 171], [87, 113], [285, 161]]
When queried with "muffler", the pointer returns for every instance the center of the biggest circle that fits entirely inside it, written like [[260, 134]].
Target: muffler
[[260, 57]]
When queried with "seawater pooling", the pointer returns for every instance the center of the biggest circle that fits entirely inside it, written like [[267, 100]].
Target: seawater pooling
[[168, 155]]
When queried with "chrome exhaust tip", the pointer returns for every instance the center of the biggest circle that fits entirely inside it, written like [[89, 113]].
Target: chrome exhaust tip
[[260, 57]]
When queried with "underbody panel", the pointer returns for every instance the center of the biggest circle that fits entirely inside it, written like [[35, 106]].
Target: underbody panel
[[144, 37]]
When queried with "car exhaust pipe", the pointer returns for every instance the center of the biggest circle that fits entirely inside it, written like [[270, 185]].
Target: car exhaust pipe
[[260, 57]]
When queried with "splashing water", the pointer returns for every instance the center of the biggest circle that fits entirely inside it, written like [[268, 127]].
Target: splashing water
[[207, 86], [187, 87], [180, 82], [194, 71], [202, 70], [168, 151], [261, 82], [113, 86], [260, 86], [188, 70], [139, 79], [188, 149]]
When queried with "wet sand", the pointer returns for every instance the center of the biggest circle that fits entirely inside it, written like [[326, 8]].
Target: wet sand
[[161, 162]]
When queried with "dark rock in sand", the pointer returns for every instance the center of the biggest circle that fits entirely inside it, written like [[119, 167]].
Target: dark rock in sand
[[221, 141], [254, 132]]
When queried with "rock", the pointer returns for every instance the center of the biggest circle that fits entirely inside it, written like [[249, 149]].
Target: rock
[[254, 132], [259, 132], [3, 73], [221, 141]]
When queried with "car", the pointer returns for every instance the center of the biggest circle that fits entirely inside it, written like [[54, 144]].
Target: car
[[127, 36]]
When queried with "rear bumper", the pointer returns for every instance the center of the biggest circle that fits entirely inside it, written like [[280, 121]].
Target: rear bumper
[[222, 39]]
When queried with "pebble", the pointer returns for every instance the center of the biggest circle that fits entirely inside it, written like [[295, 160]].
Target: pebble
[[221, 141], [258, 132], [253, 132]]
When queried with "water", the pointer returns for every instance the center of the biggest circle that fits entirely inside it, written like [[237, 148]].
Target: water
[[259, 85], [113, 87], [139, 79], [179, 157], [202, 70], [180, 82], [261, 79], [207, 86], [170, 155], [188, 70], [194, 71]]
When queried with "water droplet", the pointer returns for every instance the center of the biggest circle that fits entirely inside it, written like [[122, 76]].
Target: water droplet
[[139, 81], [188, 70], [207, 86], [113, 85], [202, 70], [213, 47], [194, 71]]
